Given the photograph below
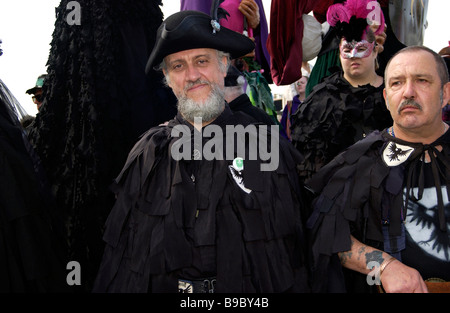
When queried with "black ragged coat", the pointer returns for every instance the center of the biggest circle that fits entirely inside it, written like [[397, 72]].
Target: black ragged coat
[[191, 219]]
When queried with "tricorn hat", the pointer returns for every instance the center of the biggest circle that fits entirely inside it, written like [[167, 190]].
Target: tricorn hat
[[192, 30]]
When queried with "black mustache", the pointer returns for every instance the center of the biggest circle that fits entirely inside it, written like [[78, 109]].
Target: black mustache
[[409, 102]]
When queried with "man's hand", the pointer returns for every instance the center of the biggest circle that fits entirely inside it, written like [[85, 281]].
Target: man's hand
[[251, 11], [400, 278], [395, 276], [380, 38]]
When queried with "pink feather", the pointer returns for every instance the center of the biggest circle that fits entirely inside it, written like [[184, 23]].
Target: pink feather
[[369, 9], [338, 13]]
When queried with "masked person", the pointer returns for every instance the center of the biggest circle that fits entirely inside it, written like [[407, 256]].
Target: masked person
[[348, 104], [381, 216], [186, 222]]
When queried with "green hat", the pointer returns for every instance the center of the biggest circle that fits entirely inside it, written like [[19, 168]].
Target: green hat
[[39, 84]]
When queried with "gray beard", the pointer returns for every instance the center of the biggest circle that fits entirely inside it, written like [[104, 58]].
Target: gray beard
[[207, 110]]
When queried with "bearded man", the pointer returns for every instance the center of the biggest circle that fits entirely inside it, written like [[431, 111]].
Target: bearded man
[[202, 215]]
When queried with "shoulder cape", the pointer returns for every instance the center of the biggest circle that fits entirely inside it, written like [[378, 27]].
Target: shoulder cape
[[333, 117], [190, 219], [360, 193]]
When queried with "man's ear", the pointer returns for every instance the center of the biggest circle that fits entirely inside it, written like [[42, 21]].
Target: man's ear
[[385, 98], [166, 78], [225, 62], [446, 94]]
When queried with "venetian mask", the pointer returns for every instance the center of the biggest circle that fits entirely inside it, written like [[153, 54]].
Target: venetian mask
[[356, 49]]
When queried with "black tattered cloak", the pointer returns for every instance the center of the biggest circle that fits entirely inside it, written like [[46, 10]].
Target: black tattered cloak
[[31, 244], [360, 193], [333, 117], [189, 219]]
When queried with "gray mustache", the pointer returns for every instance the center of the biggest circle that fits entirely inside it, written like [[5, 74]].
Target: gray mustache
[[193, 83], [409, 102]]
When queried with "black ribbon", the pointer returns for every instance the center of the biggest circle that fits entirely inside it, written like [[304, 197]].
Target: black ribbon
[[418, 159]]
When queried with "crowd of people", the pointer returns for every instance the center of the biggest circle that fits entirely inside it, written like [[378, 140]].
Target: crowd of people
[[347, 192]]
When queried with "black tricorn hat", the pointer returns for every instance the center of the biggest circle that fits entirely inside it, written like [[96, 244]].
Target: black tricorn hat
[[187, 30]]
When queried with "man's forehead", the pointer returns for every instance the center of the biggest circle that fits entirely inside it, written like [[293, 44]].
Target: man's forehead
[[412, 63], [190, 54]]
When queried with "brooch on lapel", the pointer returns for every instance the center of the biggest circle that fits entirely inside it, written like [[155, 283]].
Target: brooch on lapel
[[236, 170]]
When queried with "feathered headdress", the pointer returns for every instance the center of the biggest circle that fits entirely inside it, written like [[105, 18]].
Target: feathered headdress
[[352, 18]]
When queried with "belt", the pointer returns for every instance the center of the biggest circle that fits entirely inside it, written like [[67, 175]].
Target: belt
[[437, 285], [204, 285]]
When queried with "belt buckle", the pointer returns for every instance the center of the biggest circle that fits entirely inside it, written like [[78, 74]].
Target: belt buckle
[[208, 285]]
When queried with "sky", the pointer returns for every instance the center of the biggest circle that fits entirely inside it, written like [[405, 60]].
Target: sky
[[26, 28]]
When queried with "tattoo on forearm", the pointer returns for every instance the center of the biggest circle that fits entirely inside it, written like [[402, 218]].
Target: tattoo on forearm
[[345, 256], [361, 251], [360, 256], [376, 256]]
